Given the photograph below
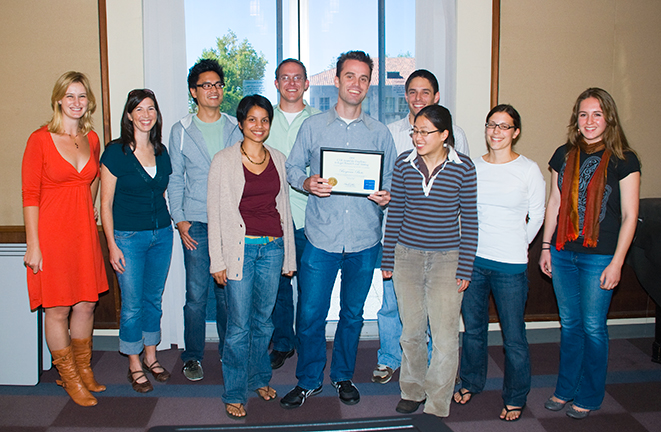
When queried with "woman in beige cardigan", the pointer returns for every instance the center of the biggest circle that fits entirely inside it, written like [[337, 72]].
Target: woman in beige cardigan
[[251, 242]]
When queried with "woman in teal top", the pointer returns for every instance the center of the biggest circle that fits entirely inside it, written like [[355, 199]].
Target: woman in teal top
[[134, 175]]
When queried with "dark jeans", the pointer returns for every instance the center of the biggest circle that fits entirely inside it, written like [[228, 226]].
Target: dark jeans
[[317, 276], [510, 292], [198, 284], [284, 338]]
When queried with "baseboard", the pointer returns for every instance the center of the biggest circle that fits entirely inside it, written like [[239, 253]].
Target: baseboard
[[537, 332]]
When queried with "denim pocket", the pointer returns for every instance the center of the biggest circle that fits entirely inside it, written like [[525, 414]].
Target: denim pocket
[[124, 235]]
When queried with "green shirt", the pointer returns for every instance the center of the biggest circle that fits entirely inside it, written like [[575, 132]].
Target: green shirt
[[212, 134], [282, 137]]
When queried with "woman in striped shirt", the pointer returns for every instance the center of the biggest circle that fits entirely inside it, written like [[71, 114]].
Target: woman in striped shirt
[[429, 248]]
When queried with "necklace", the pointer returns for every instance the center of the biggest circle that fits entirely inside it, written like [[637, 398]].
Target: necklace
[[73, 137], [252, 161]]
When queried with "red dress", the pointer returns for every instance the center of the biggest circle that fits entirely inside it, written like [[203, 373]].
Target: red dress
[[73, 267]]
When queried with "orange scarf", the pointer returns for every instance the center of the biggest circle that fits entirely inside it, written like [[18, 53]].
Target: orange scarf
[[568, 213]]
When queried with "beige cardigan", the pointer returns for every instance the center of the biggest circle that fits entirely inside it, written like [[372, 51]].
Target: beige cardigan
[[226, 227]]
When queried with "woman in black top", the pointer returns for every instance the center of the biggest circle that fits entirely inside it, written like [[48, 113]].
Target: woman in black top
[[590, 222], [134, 175]]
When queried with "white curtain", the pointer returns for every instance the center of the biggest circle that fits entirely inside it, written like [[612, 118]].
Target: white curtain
[[164, 41], [436, 45]]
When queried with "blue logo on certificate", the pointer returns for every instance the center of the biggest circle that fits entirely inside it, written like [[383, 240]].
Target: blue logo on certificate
[[369, 184]]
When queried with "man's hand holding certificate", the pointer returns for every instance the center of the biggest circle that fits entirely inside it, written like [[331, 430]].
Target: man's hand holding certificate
[[352, 172]]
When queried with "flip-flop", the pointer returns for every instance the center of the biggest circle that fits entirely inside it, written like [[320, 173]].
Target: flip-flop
[[238, 406], [462, 394], [509, 410], [263, 393]]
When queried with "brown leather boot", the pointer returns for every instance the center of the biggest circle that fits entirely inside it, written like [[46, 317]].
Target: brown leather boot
[[71, 382], [82, 354]]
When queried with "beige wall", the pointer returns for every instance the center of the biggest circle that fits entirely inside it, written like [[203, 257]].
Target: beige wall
[[473, 70], [125, 55], [40, 41], [550, 51]]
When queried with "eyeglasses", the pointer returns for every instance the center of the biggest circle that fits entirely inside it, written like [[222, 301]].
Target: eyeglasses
[[209, 86], [421, 132], [295, 78], [501, 126]]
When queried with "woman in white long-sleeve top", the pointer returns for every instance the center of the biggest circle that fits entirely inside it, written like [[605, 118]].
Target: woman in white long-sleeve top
[[510, 209]]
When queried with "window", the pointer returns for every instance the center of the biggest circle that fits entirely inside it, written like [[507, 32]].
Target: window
[[390, 104], [246, 34], [324, 103], [242, 38], [402, 106]]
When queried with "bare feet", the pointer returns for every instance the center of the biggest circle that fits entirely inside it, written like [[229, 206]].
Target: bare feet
[[463, 396], [267, 393], [235, 411]]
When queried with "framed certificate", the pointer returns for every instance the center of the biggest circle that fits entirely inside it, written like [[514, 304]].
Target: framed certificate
[[352, 172]]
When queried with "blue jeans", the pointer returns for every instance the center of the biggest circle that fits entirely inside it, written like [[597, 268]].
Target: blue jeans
[[317, 277], [583, 307], [147, 255], [390, 329], [198, 284], [250, 302], [284, 338], [510, 292]]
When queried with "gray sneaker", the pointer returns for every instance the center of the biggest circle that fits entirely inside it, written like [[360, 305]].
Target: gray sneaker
[[382, 374], [193, 370]]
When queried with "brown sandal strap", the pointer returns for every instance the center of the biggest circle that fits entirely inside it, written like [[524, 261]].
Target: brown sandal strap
[[150, 368], [140, 373]]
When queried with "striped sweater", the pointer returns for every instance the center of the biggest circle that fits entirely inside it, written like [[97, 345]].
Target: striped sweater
[[436, 215]]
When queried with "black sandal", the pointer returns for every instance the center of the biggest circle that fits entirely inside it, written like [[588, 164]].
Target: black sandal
[[239, 407], [509, 410], [462, 394]]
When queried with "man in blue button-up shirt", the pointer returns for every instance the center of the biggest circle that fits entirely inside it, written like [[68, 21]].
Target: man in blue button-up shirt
[[344, 232]]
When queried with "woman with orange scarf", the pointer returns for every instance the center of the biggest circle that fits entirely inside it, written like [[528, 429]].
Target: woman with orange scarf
[[590, 222]]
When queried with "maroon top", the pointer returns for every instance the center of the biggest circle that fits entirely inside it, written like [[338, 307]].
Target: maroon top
[[257, 205]]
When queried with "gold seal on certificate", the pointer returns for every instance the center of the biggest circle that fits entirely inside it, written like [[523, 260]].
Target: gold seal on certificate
[[352, 172]]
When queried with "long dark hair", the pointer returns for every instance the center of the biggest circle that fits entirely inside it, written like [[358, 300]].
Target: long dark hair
[[127, 138]]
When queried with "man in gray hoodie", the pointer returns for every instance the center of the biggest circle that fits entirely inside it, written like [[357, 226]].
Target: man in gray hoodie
[[194, 140]]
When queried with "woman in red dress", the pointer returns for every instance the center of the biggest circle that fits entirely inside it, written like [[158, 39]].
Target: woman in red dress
[[66, 273]]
